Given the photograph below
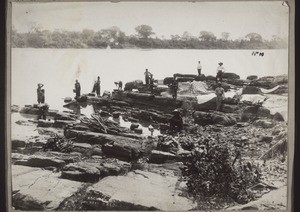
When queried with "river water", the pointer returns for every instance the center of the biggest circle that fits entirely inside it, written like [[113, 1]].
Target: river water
[[58, 69]]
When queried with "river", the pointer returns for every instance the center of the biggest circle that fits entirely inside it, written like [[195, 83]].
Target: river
[[58, 69]]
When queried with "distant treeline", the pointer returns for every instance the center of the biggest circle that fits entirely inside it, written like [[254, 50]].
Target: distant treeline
[[144, 38]]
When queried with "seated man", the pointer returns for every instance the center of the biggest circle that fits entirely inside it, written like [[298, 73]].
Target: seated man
[[176, 122]]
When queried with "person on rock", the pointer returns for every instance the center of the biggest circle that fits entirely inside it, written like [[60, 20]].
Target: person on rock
[[40, 94], [176, 122], [220, 71], [199, 67], [43, 111], [151, 84], [97, 86], [174, 88], [220, 95], [77, 89], [147, 77], [120, 85]]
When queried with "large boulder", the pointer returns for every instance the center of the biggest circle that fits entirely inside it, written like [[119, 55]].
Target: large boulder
[[258, 111], [210, 78], [251, 90], [228, 75], [34, 110], [204, 118], [80, 172], [168, 80], [263, 123], [252, 77], [281, 79], [65, 116], [146, 115], [138, 190], [125, 149], [237, 82], [264, 82], [133, 85], [41, 161], [160, 156]]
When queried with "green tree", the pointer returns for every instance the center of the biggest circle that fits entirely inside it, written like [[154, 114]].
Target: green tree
[[144, 31], [254, 37], [207, 36]]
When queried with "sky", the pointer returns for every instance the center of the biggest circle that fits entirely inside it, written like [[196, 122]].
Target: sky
[[165, 18]]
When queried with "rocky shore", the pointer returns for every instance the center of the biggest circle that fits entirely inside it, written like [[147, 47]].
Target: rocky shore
[[123, 157]]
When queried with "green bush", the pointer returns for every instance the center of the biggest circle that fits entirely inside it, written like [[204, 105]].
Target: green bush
[[211, 171]]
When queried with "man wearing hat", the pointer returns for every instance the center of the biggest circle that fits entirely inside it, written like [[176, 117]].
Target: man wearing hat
[[220, 94], [176, 122], [40, 94], [220, 71]]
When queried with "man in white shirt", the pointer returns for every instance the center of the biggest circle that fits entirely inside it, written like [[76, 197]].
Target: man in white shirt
[[220, 71], [199, 67]]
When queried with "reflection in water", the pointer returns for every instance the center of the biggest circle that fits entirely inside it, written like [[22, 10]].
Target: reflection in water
[[80, 108], [144, 126]]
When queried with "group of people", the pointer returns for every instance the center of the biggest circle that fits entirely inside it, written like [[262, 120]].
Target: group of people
[[220, 71]]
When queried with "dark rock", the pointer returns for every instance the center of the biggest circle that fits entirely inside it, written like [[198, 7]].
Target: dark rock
[[62, 123], [67, 99], [252, 77], [65, 116], [264, 82], [228, 108], [204, 118], [93, 137], [231, 101], [257, 111], [251, 90], [26, 202], [28, 109], [80, 172], [168, 80], [116, 114], [127, 149], [227, 75], [149, 115], [133, 85], [82, 147], [131, 119], [45, 123], [15, 108], [200, 78], [237, 82], [114, 167], [160, 156], [281, 79], [224, 85], [41, 161], [278, 117], [97, 151], [263, 123], [104, 113], [138, 130], [209, 77], [16, 143], [266, 139], [134, 126]]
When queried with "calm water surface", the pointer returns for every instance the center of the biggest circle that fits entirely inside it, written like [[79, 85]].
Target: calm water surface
[[58, 69]]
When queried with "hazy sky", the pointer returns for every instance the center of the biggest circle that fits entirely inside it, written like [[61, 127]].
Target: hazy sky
[[238, 18]]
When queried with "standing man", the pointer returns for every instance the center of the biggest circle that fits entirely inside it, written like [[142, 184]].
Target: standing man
[[120, 83], [174, 88], [151, 83], [98, 86], [220, 94], [199, 67], [40, 94], [77, 89], [147, 76], [220, 71]]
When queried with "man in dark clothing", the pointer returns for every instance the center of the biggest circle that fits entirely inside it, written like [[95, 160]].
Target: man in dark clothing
[[43, 111], [147, 77], [176, 122], [40, 94], [220, 71], [97, 86], [174, 88], [220, 93], [77, 88], [120, 85], [151, 83]]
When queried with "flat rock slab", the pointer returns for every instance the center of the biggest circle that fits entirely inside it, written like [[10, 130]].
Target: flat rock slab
[[138, 190], [274, 200], [41, 161], [38, 189]]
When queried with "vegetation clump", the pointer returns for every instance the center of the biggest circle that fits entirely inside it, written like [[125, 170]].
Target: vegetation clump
[[60, 144], [212, 170]]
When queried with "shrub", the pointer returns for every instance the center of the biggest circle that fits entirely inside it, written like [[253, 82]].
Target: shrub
[[210, 171]]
